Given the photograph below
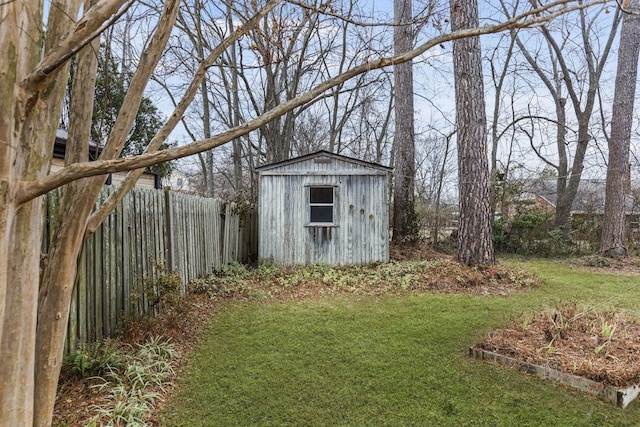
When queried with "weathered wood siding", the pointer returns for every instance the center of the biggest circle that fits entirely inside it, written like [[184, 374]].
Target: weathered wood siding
[[359, 233]]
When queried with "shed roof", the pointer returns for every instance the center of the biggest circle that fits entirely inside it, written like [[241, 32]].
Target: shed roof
[[326, 154]]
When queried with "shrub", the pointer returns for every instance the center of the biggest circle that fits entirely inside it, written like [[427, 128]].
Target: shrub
[[93, 359], [225, 281], [527, 232], [532, 231], [162, 289]]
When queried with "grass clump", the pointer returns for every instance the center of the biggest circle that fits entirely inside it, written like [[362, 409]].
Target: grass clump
[[92, 360], [126, 376]]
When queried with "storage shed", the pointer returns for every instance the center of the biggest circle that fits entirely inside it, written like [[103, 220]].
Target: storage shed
[[323, 208]]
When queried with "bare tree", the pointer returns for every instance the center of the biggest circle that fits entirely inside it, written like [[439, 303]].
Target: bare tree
[[474, 232], [288, 52], [565, 80], [202, 30], [613, 224], [433, 170], [34, 303]]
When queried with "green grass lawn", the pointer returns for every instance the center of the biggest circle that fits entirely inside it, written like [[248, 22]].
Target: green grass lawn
[[389, 361]]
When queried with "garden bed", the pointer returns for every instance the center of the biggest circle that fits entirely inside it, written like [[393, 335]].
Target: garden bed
[[595, 352]]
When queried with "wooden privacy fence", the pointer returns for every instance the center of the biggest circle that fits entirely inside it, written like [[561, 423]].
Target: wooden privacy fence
[[150, 232]]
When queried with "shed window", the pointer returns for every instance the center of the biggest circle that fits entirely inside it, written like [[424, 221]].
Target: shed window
[[321, 204]]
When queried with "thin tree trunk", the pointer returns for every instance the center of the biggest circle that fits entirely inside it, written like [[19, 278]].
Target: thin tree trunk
[[495, 137], [613, 226], [383, 131], [235, 111], [206, 111], [435, 232], [474, 233]]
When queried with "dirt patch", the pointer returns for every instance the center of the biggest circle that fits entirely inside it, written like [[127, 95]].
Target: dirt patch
[[409, 251], [604, 347]]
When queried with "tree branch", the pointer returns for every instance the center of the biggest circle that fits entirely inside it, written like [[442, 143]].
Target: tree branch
[[132, 177], [92, 24], [528, 117], [28, 190]]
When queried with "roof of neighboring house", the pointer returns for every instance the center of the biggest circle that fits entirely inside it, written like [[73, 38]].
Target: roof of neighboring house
[[60, 150], [590, 196], [60, 146], [328, 154]]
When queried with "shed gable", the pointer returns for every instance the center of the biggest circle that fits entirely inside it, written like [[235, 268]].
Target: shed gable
[[323, 163]]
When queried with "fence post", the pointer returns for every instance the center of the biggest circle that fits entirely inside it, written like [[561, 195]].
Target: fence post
[[168, 232]]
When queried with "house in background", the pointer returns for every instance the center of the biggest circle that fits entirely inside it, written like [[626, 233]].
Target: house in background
[[148, 180], [590, 196], [588, 205], [323, 208], [180, 182]]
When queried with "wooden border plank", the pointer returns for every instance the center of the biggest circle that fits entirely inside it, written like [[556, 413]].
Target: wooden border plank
[[618, 396]]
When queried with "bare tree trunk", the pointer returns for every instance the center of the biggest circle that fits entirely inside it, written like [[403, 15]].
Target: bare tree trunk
[[235, 108], [568, 195], [474, 232], [209, 190], [19, 307], [383, 132], [495, 136], [563, 161], [435, 232], [613, 225], [404, 217], [60, 269], [207, 161]]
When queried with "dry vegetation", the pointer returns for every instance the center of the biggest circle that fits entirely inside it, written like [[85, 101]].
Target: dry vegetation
[[603, 347], [629, 265]]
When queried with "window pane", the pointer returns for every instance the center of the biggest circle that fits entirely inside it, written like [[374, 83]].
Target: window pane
[[321, 194], [321, 213]]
